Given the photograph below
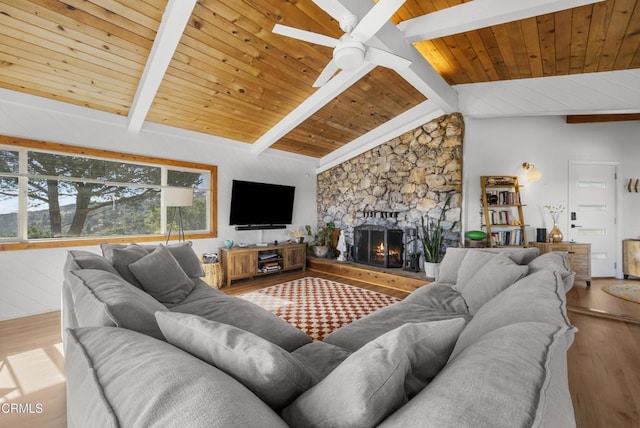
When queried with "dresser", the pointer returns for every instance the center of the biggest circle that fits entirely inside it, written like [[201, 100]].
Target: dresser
[[631, 257], [579, 256]]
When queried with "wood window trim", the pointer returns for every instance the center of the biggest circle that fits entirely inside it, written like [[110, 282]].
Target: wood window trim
[[76, 242]]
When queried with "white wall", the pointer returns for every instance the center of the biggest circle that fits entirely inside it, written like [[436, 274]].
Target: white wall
[[30, 280], [500, 146]]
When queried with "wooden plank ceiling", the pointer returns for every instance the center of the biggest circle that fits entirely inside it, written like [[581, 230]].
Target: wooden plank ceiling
[[232, 77]]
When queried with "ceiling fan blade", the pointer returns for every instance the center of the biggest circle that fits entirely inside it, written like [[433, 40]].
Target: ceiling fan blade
[[307, 36], [333, 7], [386, 59], [376, 18], [326, 74]]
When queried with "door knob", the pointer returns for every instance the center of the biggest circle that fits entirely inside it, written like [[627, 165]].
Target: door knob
[[573, 226]]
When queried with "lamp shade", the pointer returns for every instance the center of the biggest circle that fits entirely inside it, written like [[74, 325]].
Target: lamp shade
[[531, 172], [178, 196]]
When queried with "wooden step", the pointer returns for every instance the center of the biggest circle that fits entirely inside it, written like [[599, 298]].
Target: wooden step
[[397, 279]]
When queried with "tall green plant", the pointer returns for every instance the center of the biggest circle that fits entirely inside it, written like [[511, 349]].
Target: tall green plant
[[433, 235]]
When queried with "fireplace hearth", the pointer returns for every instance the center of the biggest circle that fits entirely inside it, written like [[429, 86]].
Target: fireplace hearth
[[378, 246]]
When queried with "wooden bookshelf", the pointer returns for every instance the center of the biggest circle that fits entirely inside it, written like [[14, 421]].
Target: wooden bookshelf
[[502, 211]]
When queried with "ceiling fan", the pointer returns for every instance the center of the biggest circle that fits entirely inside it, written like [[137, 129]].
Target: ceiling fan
[[350, 51]]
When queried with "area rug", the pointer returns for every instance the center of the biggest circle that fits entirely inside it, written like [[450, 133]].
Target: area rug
[[624, 291], [318, 306]]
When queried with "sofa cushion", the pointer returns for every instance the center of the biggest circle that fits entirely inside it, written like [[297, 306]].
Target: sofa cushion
[[320, 358], [355, 335], [439, 296], [185, 256], [266, 369], [454, 256], [378, 378], [555, 261], [148, 383], [214, 305], [102, 298], [122, 256], [471, 264], [494, 276], [162, 277], [512, 377], [536, 297]]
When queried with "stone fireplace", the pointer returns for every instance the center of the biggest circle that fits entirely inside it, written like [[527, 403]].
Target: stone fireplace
[[395, 185], [378, 246]]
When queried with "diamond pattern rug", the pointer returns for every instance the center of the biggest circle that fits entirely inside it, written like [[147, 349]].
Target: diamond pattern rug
[[318, 306]]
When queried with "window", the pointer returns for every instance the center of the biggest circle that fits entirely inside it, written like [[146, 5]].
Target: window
[[48, 195]]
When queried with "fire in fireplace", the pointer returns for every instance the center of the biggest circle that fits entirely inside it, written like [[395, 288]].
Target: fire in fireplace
[[378, 246]]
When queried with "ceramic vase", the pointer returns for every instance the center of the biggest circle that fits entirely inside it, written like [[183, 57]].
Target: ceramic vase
[[555, 234]]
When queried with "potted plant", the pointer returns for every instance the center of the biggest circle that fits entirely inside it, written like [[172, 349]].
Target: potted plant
[[321, 239], [432, 236]]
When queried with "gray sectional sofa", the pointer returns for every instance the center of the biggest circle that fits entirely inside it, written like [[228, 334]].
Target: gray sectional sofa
[[148, 343]]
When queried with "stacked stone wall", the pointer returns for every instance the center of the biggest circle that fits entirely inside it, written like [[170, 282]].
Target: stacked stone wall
[[398, 182]]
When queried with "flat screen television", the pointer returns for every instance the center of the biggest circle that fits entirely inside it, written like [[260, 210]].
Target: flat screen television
[[260, 205]]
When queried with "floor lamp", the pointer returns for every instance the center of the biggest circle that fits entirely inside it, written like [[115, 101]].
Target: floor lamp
[[177, 197]]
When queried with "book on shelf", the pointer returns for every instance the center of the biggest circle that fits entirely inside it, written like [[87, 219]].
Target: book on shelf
[[497, 180], [495, 197], [507, 238]]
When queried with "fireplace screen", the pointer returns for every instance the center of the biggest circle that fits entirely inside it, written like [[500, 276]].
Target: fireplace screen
[[379, 246]]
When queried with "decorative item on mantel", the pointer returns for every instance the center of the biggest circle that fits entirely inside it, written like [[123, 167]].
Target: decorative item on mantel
[[555, 235], [342, 247]]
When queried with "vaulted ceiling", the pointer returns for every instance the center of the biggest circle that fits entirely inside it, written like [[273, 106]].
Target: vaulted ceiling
[[232, 77]]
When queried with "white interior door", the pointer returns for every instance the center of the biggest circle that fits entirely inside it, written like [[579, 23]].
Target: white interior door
[[592, 213]]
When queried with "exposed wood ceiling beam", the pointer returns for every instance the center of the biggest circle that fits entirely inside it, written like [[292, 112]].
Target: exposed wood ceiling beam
[[419, 74], [480, 14], [315, 102], [592, 118], [174, 20]]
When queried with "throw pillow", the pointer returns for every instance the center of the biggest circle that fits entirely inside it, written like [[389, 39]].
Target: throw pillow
[[121, 258], [161, 276], [496, 275], [185, 256], [378, 378], [102, 298], [471, 264], [267, 370], [79, 259], [555, 261]]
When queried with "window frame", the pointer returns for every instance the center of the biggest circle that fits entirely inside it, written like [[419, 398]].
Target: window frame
[[22, 143]]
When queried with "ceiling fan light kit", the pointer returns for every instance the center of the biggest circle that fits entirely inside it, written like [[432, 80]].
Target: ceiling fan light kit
[[349, 54], [350, 51]]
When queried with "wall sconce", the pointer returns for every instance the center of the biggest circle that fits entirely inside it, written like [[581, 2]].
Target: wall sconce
[[177, 197], [531, 173]]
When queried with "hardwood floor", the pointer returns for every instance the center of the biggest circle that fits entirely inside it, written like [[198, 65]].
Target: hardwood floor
[[604, 361], [32, 372]]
